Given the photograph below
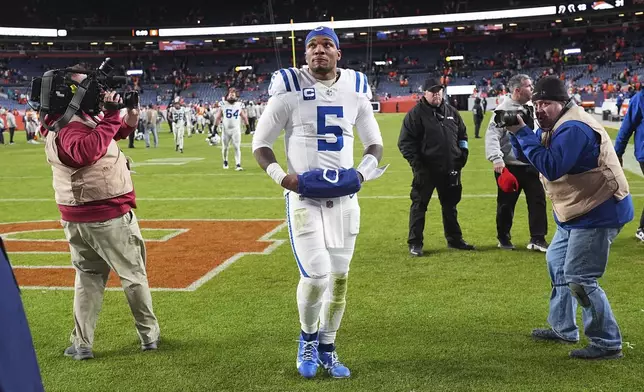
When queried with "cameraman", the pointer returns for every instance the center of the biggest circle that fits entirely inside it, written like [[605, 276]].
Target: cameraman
[[433, 139], [95, 196], [591, 202], [498, 150]]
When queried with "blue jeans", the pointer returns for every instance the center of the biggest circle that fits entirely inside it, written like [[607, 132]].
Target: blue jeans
[[146, 135], [580, 256]]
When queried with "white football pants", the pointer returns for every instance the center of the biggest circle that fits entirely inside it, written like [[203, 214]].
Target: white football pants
[[228, 136], [323, 235], [178, 129], [189, 126]]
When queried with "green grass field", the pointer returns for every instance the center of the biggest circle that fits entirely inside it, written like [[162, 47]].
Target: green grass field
[[449, 321]]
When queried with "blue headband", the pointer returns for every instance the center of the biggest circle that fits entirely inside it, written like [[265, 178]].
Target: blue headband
[[325, 32]]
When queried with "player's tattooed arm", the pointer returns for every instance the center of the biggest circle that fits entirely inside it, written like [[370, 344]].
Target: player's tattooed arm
[[375, 150], [264, 156], [269, 126]]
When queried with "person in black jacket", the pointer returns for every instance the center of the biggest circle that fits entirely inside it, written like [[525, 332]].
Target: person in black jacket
[[478, 117], [433, 139]]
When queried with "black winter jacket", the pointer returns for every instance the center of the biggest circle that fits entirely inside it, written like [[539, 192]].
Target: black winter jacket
[[434, 138]]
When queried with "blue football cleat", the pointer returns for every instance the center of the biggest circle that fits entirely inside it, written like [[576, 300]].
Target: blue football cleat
[[329, 360], [307, 354]]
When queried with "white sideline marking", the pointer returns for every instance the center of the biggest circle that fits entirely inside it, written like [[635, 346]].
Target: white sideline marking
[[165, 161], [172, 160], [238, 198], [193, 286]]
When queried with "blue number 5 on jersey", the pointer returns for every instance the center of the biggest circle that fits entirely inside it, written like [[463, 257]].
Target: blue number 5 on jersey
[[323, 129]]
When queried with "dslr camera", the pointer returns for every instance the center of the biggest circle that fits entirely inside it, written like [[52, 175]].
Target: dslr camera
[[508, 118], [57, 93]]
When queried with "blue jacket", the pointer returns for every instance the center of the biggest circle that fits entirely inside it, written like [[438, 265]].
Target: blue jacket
[[19, 371], [632, 123], [574, 149]]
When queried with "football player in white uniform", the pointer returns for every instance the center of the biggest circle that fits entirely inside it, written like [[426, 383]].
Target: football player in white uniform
[[231, 114], [179, 115], [318, 108]]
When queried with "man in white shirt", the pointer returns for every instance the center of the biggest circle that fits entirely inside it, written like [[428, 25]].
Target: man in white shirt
[[318, 108], [11, 123]]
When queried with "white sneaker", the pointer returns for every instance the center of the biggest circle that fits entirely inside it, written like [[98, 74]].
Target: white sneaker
[[238, 168], [540, 246], [225, 164], [640, 234]]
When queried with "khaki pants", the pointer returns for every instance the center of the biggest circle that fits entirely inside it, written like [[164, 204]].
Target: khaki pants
[[97, 248]]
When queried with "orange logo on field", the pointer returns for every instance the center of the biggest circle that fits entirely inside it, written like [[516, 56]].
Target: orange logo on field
[[183, 261]]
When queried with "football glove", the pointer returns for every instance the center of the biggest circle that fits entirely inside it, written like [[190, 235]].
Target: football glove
[[328, 183]]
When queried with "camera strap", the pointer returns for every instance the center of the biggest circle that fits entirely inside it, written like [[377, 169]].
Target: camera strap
[[73, 106]]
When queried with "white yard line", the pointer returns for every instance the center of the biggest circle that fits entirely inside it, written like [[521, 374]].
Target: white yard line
[[41, 266], [231, 174]]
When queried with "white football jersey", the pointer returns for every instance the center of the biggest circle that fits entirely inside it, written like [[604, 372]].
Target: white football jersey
[[179, 115], [318, 120], [231, 115]]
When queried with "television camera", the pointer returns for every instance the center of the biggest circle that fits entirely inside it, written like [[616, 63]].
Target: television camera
[[60, 92]]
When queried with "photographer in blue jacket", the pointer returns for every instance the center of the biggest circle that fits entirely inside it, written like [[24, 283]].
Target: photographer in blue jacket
[[590, 197], [633, 122]]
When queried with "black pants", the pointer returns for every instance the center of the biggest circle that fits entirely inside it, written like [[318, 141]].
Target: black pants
[[422, 188], [11, 132], [131, 139], [477, 126], [251, 125], [1, 136], [535, 196]]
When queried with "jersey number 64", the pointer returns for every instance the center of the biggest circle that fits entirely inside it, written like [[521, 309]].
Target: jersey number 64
[[231, 114]]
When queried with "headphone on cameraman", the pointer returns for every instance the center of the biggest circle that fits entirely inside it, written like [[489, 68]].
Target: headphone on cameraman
[[56, 93], [46, 105]]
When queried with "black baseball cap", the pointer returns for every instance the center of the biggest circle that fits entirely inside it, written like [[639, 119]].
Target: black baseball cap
[[550, 88], [432, 84]]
